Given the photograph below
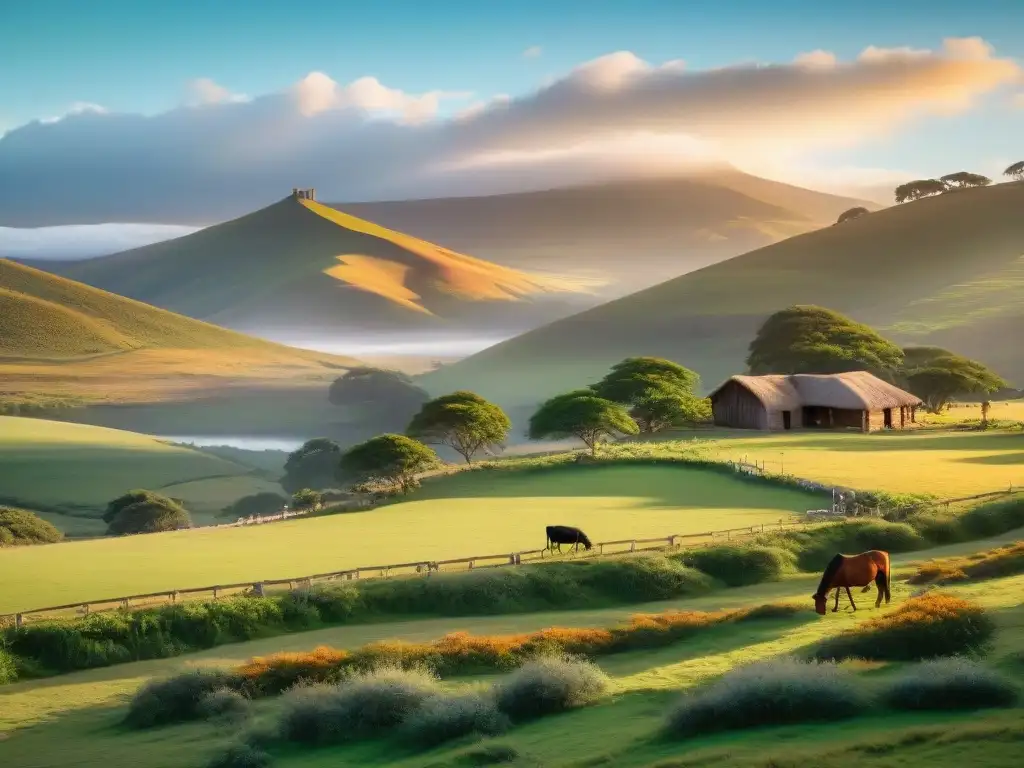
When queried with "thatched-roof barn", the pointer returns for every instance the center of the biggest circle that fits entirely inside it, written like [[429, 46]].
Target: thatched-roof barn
[[856, 400]]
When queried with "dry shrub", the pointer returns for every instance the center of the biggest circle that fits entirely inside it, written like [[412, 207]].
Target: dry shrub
[[548, 685], [450, 716], [937, 573], [993, 564], [952, 683], [269, 675], [224, 704], [924, 627], [775, 692]]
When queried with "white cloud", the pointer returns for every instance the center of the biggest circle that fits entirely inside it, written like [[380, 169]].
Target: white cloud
[[203, 90], [78, 108], [366, 140], [83, 241], [533, 52]]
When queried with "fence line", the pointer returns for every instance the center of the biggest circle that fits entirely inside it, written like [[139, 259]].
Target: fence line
[[412, 568]]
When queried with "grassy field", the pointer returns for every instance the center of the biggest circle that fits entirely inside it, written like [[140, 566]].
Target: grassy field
[[71, 471], [459, 516], [72, 720], [900, 269]]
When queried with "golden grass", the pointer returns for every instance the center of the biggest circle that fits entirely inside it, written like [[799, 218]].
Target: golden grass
[[995, 563]]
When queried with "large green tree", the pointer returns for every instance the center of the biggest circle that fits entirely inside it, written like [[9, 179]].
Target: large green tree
[[583, 415], [658, 393], [146, 512], [313, 465], [938, 376], [463, 421], [809, 339], [396, 459]]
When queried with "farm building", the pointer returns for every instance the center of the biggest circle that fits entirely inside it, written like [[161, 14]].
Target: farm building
[[856, 400]]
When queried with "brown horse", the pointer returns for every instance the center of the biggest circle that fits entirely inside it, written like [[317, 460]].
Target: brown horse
[[845, 571]]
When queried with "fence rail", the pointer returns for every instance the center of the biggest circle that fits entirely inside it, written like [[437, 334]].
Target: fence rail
[[411, 568]]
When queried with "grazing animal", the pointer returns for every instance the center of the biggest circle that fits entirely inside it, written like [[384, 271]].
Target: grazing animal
[[565, 534], [845, 571]]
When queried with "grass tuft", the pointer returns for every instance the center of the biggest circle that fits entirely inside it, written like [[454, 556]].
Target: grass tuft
[[548, 685], [774, 692], [175, 699], [224, 704], [443, 717], [951, 683], [241, 756]]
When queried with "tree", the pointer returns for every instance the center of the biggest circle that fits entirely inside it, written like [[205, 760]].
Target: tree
[[387, 399], [263, 503], [19, 526], [583, 415], [396, 459], [307, 498], [464, 421], [313, 465], [851, 214], [809, 339], [658, 392], [136, 496], [150, 513], [1015, 171], [915, 190], [938, 380], [965, 179]]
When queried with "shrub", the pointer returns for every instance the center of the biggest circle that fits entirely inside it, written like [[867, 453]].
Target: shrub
[[450, 716], [8, 667], [19, 526], [644, 578], [490, 754], [951, 683], [241, 756], [816, 547], [174, 699], [152, 513], [993, 564], [992, 519], [548, 685], [738, 566], [774, 692], [360, 707], [269, 675], [223, 704], [263, 503], [922, 628]]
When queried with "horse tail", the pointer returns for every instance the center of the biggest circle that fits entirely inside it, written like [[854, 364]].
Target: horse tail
[[883, 578]]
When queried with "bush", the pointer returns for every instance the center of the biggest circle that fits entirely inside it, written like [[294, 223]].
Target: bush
[[153, 513], [223, 704], [951, 683], [263, 503], [992, 519], [548, 685], [739, 566], [8, 667], [446, 716], [816, 547], [775, 692], [361, 707], [924, 627], [175, 699], [270, 675], [993, 564], [643, 578], [241, 756], [19, 526]]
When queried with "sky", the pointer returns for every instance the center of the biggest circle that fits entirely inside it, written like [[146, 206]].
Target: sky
[[116, 110]]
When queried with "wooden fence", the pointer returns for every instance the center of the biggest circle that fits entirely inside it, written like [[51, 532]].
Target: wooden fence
[[420, 567]]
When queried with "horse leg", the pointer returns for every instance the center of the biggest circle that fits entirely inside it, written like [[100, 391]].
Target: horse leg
[[835, 608], [851, 598]]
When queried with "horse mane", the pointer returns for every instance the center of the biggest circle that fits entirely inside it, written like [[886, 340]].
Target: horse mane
[[830, 571]]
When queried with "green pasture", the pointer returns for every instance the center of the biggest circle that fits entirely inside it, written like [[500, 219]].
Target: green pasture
[[458, 516], [73, 470], [72, 720]]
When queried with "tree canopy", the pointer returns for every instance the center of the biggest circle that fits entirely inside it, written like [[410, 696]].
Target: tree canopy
[[393, 458], [1015, 171], [263, 503], [378, 395], [915, 190], [965, 179], [809, 339], [658, 393], [145, 512], [851, 214], [313, 465], [306, 498], [939, 377], [19, 526], [583, 415], [463, 421]]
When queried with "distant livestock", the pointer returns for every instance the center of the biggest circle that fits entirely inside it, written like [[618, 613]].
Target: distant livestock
[[845, 571], [557, 535]]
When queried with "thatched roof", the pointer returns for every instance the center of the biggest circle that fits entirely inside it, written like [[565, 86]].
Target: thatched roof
[[855, 391]]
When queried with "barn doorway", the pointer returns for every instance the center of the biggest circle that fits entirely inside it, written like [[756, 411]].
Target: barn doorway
[[887, 416], [787, 420]]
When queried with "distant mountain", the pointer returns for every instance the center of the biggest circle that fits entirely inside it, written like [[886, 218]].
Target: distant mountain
[[947, 270], [302, 269], [627, 234]]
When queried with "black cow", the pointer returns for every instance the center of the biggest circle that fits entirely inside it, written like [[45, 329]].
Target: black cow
[[565, 534]]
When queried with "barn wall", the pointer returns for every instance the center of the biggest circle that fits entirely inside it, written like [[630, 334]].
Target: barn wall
[[843, 419], [734, 406]]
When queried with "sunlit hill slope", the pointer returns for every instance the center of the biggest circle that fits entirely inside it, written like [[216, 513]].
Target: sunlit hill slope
[[947, 270], [304, 268]]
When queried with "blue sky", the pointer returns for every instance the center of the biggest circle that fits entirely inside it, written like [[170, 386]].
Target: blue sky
[[135, 56]]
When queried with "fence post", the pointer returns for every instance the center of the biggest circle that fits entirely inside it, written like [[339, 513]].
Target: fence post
[[632, 546], [85, 609], [18, 620], [257, 588], [174, 596], [216, 592]]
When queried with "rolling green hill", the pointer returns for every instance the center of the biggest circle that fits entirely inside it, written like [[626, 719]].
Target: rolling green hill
[[301, 269], [947, 270]]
